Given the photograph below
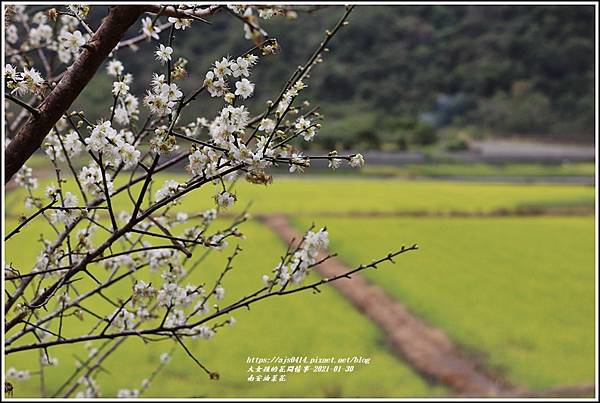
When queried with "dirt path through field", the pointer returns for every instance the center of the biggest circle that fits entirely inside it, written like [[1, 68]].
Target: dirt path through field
[[426, 348]]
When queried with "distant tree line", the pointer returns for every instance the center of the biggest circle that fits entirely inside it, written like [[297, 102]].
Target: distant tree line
[[405, 72]]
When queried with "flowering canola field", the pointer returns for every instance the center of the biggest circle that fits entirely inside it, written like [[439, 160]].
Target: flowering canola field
[[515, 291]]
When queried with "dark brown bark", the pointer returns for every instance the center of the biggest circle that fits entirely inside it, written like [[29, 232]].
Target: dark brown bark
[[77, 76]]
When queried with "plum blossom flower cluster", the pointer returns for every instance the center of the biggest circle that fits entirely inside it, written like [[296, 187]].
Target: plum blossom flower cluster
[[19, 375], [217, 80], [27, 81], [162, 97], [298, 265], [116, 147], [55, 32], [115, 207]]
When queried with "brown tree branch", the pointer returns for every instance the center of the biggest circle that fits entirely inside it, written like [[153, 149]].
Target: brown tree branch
[[178, 12], [32, 134], [244, 303]]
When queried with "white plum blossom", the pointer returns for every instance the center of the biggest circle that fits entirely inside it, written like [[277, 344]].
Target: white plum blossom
[[122, 319], [131, 104], [114, 68], [157, 81], [69, 22], [33, 78], [118, 261], [170, 294], [317, 240], [215, 80], [162, 98], [29, 81], [201, 308], [158, 104], [219, 293], [10, 72], [55, 147], [210, 215], [128, 393], [305, 128], [40, 35], [218, 241], [158, 258], [91, 180], [193, 129], [229, 121], [163, 54], [65, 216], [130, 156], [120, 88], [288, 97], [237, 8], [302, 260], [240, 67], [252, 59], [50, 192], [72, 41], [203, 161], [19, 13], [121, 115], [64, 55], [248, 32], [180, 23], [142, 290], [72, 143], [39, 18], [127, 110], [170, 188], [98, 139], [172, 92], [238, 116], [175, 318], [162, 143], [244, 88], [202, 332], [267, 125], [181, 217], [48, 361], [24, 177], [242, 154], [149, 29], [225, 200], [216, 86], [335, 163], [298, 162], [12, 35], [222, 67], [165, 358], [357, 161], [267, 13], [18, 375]]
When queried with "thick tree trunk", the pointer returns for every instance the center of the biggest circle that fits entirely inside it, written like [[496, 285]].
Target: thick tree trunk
[[77, 76]]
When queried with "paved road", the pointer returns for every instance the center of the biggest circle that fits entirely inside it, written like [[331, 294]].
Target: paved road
[[563, 180], [492, 151]]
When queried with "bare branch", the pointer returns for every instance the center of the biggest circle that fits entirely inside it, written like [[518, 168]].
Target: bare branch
[[34, 111]]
